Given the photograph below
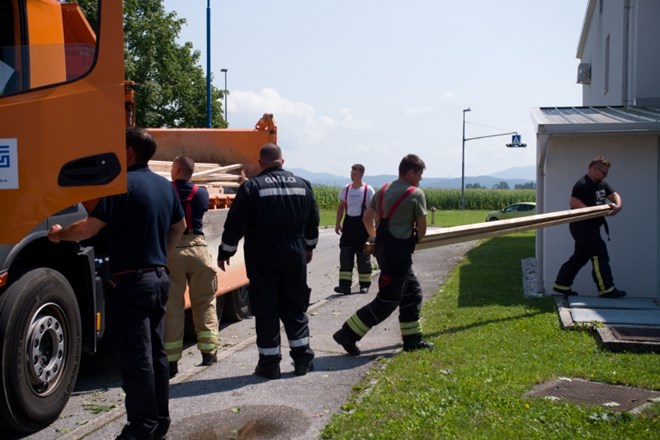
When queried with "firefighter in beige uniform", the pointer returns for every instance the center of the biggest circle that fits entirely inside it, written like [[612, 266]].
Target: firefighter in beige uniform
[[191, 264]]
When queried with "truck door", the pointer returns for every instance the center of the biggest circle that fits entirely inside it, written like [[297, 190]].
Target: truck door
[[62, 123]]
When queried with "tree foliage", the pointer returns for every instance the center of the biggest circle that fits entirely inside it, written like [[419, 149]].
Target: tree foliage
[[526, 185], [502, 185], [170, 83]]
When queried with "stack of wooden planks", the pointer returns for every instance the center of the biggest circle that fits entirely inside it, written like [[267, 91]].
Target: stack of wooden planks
[[214, 177]]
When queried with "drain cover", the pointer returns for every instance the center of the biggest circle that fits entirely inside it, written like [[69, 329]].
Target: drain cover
[[584, 392], [645, 334], [243, 423]]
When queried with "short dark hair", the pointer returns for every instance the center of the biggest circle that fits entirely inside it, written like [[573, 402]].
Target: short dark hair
[[270, 153], [411, 162], [142, 143], [358, 167], [600, 160], [186, 164]]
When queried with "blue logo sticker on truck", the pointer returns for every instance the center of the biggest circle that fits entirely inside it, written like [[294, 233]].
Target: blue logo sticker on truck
[[8, 164]]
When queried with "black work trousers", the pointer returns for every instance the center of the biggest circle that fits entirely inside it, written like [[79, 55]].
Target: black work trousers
[[397, 284], [279, 292], [402, 291], [136, 318], [589, 245], [351, 248]]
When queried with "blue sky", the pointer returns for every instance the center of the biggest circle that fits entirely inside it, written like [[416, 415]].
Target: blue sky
[[370, 81]]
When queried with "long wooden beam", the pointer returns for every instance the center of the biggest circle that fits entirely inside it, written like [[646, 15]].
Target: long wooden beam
[[459, 234]]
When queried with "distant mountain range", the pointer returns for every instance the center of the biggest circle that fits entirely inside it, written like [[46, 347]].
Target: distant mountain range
[[513, 176]]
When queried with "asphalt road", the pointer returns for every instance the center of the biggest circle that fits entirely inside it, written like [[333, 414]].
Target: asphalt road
[[226, 400]]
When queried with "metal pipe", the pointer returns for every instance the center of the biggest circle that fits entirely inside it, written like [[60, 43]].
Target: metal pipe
[[208, 64]]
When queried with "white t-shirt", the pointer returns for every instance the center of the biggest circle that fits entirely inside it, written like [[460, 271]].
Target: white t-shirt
[[356, 197]]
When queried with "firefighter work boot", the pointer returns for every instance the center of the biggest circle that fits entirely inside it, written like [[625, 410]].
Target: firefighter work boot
[[343, 290], [616, 293], [364, 289], [209, 358], [565, 292], [174, 369], [418, 345], [303, 368], [272, 372], [344, 339]]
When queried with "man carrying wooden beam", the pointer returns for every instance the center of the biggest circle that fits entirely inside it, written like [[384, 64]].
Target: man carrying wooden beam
[[591, 190], [400, 208]]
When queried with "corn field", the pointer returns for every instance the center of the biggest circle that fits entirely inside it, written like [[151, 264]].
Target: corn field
[[445, 199]]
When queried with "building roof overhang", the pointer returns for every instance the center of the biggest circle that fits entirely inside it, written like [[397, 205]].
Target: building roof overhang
[[610, 119]]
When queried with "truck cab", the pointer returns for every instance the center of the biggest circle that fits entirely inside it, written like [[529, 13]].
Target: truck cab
[[62, 141]]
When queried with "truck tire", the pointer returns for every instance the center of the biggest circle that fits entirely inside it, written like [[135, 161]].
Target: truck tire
[[40, 349], [236, 305]]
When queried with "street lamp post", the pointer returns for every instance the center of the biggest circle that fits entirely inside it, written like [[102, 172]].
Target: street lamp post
[[208, 63], [224, 95], [515, 142], [463, 163]]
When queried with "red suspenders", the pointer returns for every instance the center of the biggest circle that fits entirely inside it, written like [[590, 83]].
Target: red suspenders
[[396, 204], [364, 199], [187, 205]]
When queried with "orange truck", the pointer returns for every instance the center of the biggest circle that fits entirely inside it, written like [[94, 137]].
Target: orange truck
[[63, 115]]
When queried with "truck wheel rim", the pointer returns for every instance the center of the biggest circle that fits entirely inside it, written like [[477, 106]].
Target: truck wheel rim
[[45, 348]]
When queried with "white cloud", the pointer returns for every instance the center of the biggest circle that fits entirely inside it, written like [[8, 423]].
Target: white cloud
[[268, 101], [411, 112], [312, 141]]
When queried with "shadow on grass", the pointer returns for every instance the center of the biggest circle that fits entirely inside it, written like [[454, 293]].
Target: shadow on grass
[[492, 274], [481, 323]]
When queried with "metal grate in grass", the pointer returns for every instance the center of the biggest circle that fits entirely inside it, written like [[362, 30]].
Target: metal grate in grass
[[584, 392], [629, 333]]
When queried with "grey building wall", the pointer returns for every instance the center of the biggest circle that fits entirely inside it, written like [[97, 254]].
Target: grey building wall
[[620, 42]]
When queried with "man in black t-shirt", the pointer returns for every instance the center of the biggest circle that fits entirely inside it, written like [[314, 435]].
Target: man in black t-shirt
[[144, 224], [591, 190]]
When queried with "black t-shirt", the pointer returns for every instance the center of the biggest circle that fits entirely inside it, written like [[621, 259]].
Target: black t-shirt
[[139, 220], [592, 194], [198, 205]]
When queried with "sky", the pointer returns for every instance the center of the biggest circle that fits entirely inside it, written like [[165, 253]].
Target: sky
[[367, 81]]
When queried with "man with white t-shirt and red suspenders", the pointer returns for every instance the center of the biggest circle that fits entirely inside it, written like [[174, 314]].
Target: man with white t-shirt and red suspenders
[[400, 208], [353, 201]]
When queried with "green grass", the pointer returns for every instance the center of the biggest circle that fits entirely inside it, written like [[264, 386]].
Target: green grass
[[492, 346], [441, 198], [440, 218]]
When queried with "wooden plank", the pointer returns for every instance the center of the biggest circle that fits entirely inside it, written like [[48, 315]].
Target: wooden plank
[[215, 177], [478, 231], [217, 169]]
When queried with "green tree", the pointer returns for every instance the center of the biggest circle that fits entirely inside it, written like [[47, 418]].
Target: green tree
[[474, 186], [526, 185], [502, 185], [170, 83]]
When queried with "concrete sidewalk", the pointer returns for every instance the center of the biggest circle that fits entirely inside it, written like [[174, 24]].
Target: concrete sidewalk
[[226, 399]]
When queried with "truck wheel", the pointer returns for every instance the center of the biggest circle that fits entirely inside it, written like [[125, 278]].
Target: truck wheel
[[40, 348], [236, 306]]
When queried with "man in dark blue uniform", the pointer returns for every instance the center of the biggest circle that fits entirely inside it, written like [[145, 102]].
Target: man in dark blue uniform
[[144, 224], [277, 214], [591, 190]]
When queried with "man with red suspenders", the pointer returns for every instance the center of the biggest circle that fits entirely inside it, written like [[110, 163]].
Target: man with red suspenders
[[191, 265], [353, 201], [400, 208]]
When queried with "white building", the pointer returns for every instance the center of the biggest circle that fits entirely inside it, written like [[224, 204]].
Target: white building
[[619, 52]]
